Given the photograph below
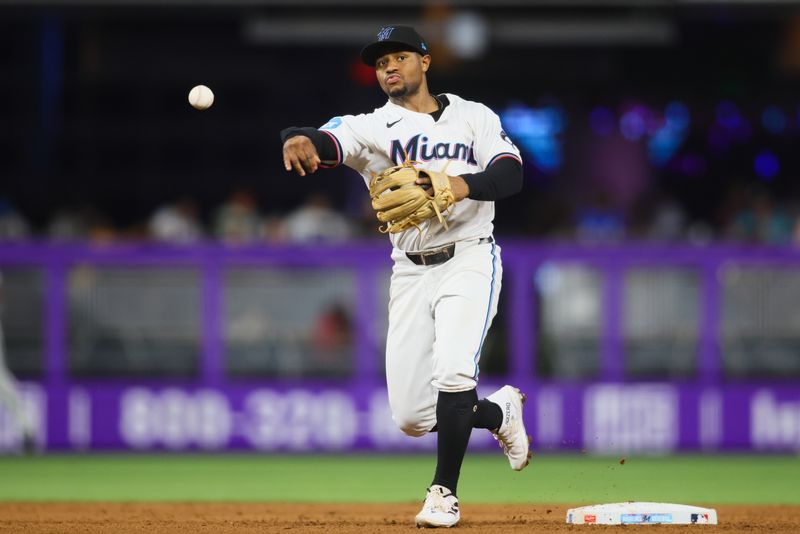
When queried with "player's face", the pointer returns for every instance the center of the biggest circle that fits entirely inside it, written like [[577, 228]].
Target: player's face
[[400, 74]]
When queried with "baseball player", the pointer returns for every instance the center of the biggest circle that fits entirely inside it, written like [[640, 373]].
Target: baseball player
[[10, 398], [446, 279]]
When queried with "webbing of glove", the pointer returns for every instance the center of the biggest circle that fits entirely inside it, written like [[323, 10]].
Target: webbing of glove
[[401, 203]]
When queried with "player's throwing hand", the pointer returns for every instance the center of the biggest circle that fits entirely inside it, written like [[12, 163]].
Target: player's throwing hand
[[299, 154]]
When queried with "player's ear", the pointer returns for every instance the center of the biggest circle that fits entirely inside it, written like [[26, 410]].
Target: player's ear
[[426, 62]]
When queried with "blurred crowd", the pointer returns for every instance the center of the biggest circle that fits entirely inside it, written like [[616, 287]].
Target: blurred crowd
[[237, 220], [745, 214]]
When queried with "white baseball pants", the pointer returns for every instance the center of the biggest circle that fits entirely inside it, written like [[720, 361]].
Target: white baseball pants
[[438, 319]]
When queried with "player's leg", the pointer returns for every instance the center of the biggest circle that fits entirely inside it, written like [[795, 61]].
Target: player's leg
[[409, 342], [500, 412], [511, 434], [409, 368], [466, 302]]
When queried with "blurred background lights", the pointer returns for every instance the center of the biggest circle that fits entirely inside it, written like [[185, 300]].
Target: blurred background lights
[[633, 123], [728, 115], [690, 164], [719, 138], [743, 131], [537, 130], [548, 278], [677, 115], [602, 121], [766, 165], [773, 120], [666, 141], [467, 35]]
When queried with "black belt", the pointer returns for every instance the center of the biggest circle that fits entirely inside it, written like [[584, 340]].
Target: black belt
[[439, 255]]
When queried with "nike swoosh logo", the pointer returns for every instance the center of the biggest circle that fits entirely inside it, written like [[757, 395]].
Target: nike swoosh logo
[[390, 124]]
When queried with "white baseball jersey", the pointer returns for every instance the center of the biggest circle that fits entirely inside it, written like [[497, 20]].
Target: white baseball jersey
[[467, 138]]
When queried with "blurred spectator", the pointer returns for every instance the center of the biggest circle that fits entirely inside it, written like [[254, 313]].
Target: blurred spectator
[[81, 223], [364, 221], [176, 223], [68, 225], [101, 229], [331, 336], [274, 228], [599, 222], [238, 220], [331, 329], [761, 221], [789, 49], [12, 225], [315, 220], [668, 222], [700, 233]]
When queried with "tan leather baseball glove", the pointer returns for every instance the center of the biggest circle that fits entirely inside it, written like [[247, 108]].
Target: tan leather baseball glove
[[401, 203]]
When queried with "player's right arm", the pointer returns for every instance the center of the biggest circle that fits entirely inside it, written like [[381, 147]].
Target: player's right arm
[[340, 140], [304, 149]]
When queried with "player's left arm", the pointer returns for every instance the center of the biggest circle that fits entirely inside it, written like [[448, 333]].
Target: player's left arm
[[502, 179]]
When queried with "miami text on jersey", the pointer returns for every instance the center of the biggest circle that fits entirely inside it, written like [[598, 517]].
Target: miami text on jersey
[[422, 151]]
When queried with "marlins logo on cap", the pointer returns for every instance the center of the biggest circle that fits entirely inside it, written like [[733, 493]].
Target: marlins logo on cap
[[393, 39], [385, 33]]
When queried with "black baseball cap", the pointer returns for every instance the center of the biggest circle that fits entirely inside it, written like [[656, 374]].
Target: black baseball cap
[[393, 39]]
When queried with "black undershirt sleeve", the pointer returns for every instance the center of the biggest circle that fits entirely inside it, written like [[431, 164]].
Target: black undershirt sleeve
[[326, 148], [502, 179]]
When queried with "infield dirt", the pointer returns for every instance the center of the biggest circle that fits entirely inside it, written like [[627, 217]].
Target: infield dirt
[[228, 518]]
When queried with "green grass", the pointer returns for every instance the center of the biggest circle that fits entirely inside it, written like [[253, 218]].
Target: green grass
[[485, 478]]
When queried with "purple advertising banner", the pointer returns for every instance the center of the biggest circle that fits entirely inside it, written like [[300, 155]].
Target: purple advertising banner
[[703, 409], [598, 418]]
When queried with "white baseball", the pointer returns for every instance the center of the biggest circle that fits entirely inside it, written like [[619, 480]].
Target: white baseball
[[201, 97]]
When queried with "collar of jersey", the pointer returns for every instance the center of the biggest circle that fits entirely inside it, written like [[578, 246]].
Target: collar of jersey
[[443, 98]]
